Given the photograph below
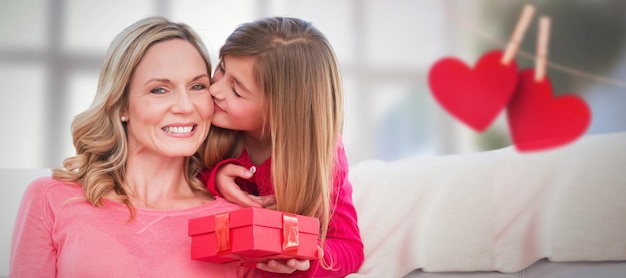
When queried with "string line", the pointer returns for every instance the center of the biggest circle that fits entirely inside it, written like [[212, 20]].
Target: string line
[[558, 67]]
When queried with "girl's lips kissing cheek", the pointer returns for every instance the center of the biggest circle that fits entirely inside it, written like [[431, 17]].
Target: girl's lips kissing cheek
[[218, 108]]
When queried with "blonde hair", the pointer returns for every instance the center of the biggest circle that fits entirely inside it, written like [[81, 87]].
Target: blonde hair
[[300, 83], [99, 135]]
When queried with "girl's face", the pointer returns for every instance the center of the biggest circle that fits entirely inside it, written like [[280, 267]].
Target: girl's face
[[169, 107], [237, 97]]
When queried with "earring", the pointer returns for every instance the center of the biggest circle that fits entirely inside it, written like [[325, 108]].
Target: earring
[[123, 118]]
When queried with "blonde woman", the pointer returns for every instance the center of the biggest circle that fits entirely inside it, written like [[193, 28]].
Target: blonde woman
[[120, 207], [278, 117]]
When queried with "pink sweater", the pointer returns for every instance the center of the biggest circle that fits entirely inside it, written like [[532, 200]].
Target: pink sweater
[[57, 234], [343, 244]]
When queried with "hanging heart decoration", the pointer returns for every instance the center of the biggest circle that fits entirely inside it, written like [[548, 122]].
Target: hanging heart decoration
[[475, 96], [538, 120]]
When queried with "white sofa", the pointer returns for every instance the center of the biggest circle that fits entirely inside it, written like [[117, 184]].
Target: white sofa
[[556, 213]]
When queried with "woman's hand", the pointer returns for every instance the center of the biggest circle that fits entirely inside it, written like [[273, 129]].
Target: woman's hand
[[225, 184], [286, 267]]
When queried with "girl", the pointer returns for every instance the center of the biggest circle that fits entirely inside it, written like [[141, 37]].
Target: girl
[[279, 116]]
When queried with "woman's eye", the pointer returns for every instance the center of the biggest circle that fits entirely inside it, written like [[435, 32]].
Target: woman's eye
[[198, 87], [159, 90]]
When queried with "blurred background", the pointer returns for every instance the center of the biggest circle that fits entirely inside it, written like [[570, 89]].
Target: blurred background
[[51, 52]]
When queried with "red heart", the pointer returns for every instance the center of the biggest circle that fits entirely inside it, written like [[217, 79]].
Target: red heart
[[538, 120], [474, 96]]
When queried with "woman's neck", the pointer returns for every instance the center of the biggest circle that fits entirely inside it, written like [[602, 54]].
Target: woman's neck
[[259, 149], [159, 184]]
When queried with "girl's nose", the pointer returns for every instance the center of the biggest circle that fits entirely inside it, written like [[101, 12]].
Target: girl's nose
[[216, 89]]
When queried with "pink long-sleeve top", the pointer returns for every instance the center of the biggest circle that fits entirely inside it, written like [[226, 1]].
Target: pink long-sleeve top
[[59, 234], [343, 246]]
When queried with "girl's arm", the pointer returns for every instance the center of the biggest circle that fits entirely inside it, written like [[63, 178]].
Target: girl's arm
[[343, 248], [220, 181], [210, 176]]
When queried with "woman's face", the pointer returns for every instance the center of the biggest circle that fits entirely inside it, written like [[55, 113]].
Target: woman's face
[[170, 108], [237, 97]]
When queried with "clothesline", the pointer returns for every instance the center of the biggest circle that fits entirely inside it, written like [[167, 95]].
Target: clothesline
[[550, 64]]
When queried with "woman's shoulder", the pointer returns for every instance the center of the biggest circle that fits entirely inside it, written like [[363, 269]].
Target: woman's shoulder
[[49, 186]]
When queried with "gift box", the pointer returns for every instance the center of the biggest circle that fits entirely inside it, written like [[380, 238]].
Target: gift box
[[251, 235]]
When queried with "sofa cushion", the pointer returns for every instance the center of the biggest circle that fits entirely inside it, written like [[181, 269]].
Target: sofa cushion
[[493, 211]]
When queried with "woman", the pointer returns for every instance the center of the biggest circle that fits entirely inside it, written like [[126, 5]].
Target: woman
[[120, 206]]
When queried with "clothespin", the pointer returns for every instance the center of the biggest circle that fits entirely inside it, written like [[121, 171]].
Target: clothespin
[[518, 34], [542, 48]]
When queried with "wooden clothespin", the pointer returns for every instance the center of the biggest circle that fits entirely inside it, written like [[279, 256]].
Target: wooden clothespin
[[518, 34], [542, 48]]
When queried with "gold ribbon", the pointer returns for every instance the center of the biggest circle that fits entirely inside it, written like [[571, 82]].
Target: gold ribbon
[[291, 239], [222, 233]]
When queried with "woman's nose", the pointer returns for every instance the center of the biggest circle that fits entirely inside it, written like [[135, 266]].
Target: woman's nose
[[183, 103]]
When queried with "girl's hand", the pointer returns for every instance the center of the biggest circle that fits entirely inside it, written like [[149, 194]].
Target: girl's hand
[[225, 184], [286, 267]]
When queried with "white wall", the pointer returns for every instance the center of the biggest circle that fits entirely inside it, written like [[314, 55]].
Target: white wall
[[50, 54]]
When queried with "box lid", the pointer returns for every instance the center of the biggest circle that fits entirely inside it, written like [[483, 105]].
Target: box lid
[[253, 216]]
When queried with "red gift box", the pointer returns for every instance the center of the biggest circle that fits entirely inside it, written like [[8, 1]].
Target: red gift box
[[251, 235]]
